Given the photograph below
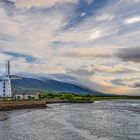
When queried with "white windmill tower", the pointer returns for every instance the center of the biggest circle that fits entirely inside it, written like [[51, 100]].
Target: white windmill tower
[[5, 83]]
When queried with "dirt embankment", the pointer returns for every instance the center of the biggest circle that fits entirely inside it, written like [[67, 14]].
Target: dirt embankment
[[24, 104], [53, 101], [21, 104]]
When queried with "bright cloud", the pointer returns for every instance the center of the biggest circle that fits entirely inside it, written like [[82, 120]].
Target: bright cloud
[[132, 20], [95, 35]]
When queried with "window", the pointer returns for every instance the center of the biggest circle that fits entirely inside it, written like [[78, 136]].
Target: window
[[39, 96], [18, 97], [29, 97], [4, 85]]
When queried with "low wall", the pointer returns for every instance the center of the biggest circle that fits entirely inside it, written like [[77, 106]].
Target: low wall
[[21, 104]]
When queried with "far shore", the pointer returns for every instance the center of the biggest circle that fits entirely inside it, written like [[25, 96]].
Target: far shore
[[6, 105]]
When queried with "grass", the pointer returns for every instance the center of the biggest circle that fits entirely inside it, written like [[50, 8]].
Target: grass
[[67, 97], [83, 98], [115, 97]]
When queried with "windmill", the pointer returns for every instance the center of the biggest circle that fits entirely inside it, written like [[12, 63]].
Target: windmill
[[5, 82]]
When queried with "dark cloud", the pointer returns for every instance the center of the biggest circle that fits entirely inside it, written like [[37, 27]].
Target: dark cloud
[[8, 2], [136, 85], [81, 72], [129, 54], [133, 83], [114, 69], [92, 69], [118, 82], [5, 37], [62, 77]]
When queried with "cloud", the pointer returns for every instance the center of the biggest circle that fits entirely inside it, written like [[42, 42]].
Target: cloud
[[40, 3], [95, 34], [118, 82], [129, 54], [136, 85], [132, 20], [103, 17], [4, 56], [83, 14], [133, 82], [83, 71], [133, 0], [87, 52], [117, 69]]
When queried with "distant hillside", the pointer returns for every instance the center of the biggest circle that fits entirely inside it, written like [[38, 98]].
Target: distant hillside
[[52, 85]]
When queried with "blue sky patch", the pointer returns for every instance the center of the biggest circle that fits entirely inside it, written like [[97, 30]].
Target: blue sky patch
[[28, 58], [84, 10]]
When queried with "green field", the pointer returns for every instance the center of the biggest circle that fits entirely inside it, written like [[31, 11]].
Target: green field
[[82, 98]]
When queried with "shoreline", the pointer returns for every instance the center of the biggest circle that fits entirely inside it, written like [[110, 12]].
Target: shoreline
[[8, 105]]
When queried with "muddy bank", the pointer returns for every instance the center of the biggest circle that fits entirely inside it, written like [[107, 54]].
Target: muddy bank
[[21, 104], [26, 104], [53, 101]]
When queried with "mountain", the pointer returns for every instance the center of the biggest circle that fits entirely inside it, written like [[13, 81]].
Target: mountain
[[52, 85]]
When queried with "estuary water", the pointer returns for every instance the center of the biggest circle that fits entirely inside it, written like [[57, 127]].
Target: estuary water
[[102, 120]]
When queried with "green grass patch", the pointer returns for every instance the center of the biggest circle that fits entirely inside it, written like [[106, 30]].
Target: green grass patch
[[83, 98]]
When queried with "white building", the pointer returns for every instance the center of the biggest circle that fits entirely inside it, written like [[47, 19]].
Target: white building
[[27, 94], [5, 83], [5, 87]]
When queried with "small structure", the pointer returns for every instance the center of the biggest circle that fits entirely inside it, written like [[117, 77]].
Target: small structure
[[27, 94]]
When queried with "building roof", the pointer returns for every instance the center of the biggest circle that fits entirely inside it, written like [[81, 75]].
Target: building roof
[[25, 92]]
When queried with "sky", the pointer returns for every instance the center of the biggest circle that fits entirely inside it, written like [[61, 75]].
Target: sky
[[95, 43]]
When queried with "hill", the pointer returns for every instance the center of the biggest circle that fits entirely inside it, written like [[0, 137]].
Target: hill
[[52, 85]]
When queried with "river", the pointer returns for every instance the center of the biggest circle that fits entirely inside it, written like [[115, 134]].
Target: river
[[102, 120]]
